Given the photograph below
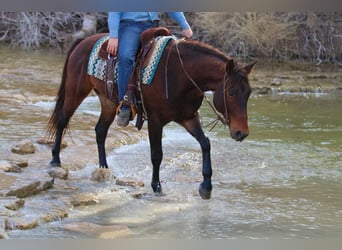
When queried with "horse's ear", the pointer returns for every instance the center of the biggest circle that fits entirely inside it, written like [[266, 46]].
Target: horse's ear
[[230, 67], [249, 67]]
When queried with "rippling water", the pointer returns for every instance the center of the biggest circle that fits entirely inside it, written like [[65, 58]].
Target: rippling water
[[284, 180]]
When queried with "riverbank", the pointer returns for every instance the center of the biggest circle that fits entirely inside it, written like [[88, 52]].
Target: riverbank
[[295, 77]]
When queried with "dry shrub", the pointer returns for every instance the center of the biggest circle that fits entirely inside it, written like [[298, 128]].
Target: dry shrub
[[320, 37], [277, 35], [248, 34], [310, 36], [33, 29]]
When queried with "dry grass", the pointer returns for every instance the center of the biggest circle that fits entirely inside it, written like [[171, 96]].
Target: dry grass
[[248, 34], [281, 36]]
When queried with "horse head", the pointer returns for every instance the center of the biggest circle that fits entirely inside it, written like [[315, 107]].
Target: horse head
[[231, 97]]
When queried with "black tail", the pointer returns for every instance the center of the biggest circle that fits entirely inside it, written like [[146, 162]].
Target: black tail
[[56, 114]]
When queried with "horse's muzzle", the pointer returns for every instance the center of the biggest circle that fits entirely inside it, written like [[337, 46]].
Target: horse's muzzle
[[239, 135]]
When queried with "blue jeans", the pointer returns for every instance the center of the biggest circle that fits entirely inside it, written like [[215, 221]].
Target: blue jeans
[[129, 45]]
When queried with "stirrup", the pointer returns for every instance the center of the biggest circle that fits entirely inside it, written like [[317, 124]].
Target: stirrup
[[129, 104]]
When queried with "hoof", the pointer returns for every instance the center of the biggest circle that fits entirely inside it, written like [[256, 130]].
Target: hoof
[[157, 189], [204, 192], [101, 175], [159, 194], [54, 165]]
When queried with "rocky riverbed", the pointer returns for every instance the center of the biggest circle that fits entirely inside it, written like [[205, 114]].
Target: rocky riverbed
[[27, 185]]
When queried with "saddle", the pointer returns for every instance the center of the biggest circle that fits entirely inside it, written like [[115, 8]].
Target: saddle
[[133, 100]]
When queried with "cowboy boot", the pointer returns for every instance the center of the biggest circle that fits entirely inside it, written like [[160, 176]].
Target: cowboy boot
[[127, 110]]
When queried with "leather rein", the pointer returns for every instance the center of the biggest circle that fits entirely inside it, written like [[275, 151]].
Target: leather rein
[[225, 118]]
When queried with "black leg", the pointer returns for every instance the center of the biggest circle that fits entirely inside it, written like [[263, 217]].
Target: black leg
[[155, 136], [56, 149], [193, 126], [101, 129]]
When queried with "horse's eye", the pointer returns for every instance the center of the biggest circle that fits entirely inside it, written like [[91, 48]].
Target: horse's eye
[[231, 92]]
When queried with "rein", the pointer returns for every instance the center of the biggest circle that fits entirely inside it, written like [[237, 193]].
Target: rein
[[223, 118]]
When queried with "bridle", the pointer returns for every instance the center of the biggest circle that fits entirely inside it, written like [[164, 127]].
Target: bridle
[[225, 118]]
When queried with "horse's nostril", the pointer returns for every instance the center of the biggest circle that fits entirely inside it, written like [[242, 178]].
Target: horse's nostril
[[238, 135]]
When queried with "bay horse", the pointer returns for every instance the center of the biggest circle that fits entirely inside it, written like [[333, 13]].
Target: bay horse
[[187, 69]]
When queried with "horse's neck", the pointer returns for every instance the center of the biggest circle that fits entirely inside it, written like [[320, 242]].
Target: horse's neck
[[209, 66]]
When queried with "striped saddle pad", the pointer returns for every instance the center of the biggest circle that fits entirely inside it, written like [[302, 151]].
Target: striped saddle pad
[[97, 67]]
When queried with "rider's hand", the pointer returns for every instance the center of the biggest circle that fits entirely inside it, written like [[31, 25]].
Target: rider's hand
[[187, 33], [112, 47]]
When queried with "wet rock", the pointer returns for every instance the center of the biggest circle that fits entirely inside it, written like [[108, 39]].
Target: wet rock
[[26, 188], [102, 175], [23, 190], [24, 147], [4, 165], [132, 183], [58, 214], [103, 232], [58, 172], [28, 218], [7, 166], [20, 223], [14, 169], [50, 142], [139, 194], [84, 200], [18, 163], [19, 203], [4, 212], [3, 234]]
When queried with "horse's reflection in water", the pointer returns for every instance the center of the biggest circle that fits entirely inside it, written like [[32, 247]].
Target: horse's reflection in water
[[186, 70]]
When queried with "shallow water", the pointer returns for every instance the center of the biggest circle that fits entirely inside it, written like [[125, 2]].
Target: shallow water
[[283, 181]]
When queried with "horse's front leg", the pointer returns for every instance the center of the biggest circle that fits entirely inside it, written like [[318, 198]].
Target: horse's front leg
[[193, 126], [155, 136]]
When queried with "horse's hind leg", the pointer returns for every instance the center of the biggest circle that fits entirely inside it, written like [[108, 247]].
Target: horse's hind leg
[[66, 105], [56, 148], [193, 126], [108, 110]]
